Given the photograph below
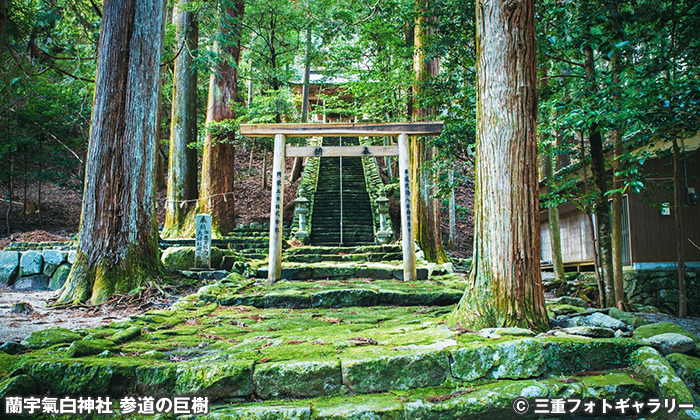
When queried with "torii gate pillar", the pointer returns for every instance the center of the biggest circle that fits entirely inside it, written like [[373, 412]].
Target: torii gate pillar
[[274, 271], [407, 232]]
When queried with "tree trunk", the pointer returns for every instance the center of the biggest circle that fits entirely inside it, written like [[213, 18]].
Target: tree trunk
[[602, 209], [452, 240], [216, 195], [616, 208], [118, 246], [428, 237], [505, 287], [589, 214], [678, 217], [182, 162], [553, 220], [299, 162]]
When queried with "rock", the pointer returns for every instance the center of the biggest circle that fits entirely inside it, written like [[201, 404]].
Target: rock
[[31, 263], [297, 379], [178, 257], [567, 300], [369, 372], [154, 354], [59, 277], [125, 335], [650, 330], [11, 347], [49, 337], [23, 308], [648, 309], [598, 319], [9, 267], [53, 257], [34, 282], [668, 343], [344, 298], [500, 332], [81, 348], [213, 275], [421, 273], [627, 318], [182, 257], [649, 362], [686, 367], [72, 255], [18, 385], [518, 359], [561, 309], [586, 331]]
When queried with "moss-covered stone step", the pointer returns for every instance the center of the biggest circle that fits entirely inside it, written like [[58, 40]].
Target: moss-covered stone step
[[342, 270], [229, 360], [318, 250], [368, 257], [337, 293], [487, 400]]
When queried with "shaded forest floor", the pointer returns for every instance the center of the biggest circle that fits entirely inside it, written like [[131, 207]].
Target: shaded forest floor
[[57, 217]]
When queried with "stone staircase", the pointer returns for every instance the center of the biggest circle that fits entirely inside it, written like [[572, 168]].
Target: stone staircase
[[358, 225], [251, 241]]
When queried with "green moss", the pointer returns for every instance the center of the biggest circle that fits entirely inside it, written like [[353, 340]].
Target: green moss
[[647, 331], [81, 348], [570, 355], [687, 367], [297, 379], [377, 406], [650, 362], [20, 385], [517, 359], [125, 335], [85, 376], [49, 337], [377, 370], [628, 318]]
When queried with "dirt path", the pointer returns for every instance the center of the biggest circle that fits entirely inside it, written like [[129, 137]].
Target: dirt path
[[15, 327]]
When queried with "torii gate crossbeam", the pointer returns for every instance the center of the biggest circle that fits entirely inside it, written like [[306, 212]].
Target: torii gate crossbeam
[[281, 150]]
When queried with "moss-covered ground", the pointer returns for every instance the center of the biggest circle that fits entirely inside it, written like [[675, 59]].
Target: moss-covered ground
[[353, 349]]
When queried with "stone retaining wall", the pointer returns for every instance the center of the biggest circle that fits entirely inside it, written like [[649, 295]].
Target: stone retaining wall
[[35, 269], [658, 288]]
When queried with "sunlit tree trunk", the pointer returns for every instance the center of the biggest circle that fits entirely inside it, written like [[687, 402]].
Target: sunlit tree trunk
[[118, 245], [425, 218], [182, 162], [505, 288], [216, 194]]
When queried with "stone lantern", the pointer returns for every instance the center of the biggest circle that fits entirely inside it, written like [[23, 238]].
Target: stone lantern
[[385, 233], [301, 208]]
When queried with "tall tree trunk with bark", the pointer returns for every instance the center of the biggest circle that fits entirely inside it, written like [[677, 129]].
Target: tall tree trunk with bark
[[182, 162], [505, 287], [216, 193], [118, 245], [616, 207], [425, 217], [601, 208]]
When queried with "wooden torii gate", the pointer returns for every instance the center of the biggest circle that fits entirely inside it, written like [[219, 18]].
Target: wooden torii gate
[[281, 150]]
